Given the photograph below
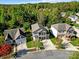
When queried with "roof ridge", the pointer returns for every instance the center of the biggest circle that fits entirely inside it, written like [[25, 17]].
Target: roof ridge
[[8, 36]]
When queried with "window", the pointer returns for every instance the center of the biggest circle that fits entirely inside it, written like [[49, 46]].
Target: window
[[39, 33], [39, 37], [9, 41]]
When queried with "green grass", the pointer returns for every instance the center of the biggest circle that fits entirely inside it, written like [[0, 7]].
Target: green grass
[[76, 25], [54, 40], [74, 55], [36, 44], [57, 43], [75, 42], [1, 40]]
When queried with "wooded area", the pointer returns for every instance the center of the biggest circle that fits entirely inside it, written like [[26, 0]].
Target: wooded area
[[23, 15]]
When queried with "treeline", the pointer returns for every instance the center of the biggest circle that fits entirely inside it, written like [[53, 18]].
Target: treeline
[[23, 15]]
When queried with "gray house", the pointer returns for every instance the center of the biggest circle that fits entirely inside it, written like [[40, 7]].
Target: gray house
[[62, 29], [39, 32], [16, 36]]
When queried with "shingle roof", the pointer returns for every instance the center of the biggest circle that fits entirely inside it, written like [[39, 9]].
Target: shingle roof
[[61, 26], [13, 32], [36, 27]]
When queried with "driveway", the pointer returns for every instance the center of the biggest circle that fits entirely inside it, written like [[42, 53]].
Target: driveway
[[48, 45], [68, 45], [21, 50], [71, 47], [22, 46]]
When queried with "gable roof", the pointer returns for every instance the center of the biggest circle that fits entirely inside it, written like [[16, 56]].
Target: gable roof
[[36, 27], [13, 33], [8, 36], [61, 27], [18, 33]]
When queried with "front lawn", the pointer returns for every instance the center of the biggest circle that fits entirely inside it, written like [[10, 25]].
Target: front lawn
[[57, 42], [54, 40], [76, 25], [36, 44], [75, 42]]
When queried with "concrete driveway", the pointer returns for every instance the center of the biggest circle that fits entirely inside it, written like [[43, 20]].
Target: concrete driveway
[[68, 45], [71, 47], [48, 45], [22, 46], [21, 50]]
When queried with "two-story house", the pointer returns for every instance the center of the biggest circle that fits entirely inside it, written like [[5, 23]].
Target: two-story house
[[17, 36], [62, 29], [39, 32]]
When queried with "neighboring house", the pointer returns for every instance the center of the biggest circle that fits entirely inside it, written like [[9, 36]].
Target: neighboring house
[[62, 29], [63, 14], [77, 21], [39, 32], [73, 18], [77, 31], [16, 36], [77, 14]]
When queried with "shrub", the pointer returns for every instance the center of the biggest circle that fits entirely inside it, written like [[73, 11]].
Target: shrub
[[5, 49]]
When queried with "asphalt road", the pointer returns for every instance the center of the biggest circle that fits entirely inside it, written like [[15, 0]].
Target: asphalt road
[[51, 54]]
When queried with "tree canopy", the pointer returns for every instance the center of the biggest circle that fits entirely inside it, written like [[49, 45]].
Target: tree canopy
[[13, 16]]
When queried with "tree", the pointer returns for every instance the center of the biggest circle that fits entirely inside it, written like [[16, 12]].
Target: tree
[[45, 13], [1, 40], [41, 17], [26, 25]]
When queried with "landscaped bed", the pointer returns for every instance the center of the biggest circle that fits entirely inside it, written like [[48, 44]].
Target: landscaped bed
[[75, 42], [1, 40], [36, 44]]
